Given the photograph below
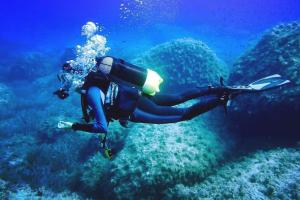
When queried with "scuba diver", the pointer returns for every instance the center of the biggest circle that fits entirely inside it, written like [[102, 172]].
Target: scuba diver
[[118, 90]]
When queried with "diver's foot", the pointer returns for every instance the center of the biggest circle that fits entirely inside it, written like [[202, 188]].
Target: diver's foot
[[226, 97], [227, 93]]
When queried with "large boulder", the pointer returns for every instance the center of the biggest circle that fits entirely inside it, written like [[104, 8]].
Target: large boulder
[[153, 159], [184, 63], [156, 157], [275, 111], [265, 175]]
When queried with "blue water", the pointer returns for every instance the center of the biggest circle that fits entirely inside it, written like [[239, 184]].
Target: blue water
[[37, 36], [56, 24]]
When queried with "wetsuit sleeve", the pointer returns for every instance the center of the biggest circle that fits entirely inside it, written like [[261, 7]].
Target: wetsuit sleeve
[[100, 124]]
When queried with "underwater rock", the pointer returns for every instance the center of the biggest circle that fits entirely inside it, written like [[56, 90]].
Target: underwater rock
[[13, 150], [96, 177], [3, 189], [156, 157], [25, 192], [184, 62], [7, 95], [273, 174], [7, 101], [276, 111], [94, 170], [55, 159], [30, 65]]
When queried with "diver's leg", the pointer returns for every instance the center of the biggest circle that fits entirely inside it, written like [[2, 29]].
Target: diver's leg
[[170, 114], [141, 116], [204, 106], [147, 105], [178, 98]]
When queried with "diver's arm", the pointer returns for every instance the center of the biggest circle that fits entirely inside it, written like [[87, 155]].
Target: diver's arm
[[100, 125], [92, 128]]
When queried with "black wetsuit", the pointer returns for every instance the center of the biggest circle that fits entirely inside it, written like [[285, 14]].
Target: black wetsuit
[[159, 108], [131, 105]]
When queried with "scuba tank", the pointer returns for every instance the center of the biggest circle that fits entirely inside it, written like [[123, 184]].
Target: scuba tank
[[147, 79]]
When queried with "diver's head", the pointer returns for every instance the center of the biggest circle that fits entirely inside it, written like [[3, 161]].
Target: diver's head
[[104, 64]]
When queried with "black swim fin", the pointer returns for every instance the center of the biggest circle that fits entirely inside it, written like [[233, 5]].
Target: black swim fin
[[266, 83]]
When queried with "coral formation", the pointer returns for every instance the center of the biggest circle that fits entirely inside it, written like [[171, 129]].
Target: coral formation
[[273, 174], [184, 62], [156, 157], [25, 192], [277, 52]]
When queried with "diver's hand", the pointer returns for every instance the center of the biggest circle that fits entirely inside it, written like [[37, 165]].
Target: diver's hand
[[61, 93], [64, 125]]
